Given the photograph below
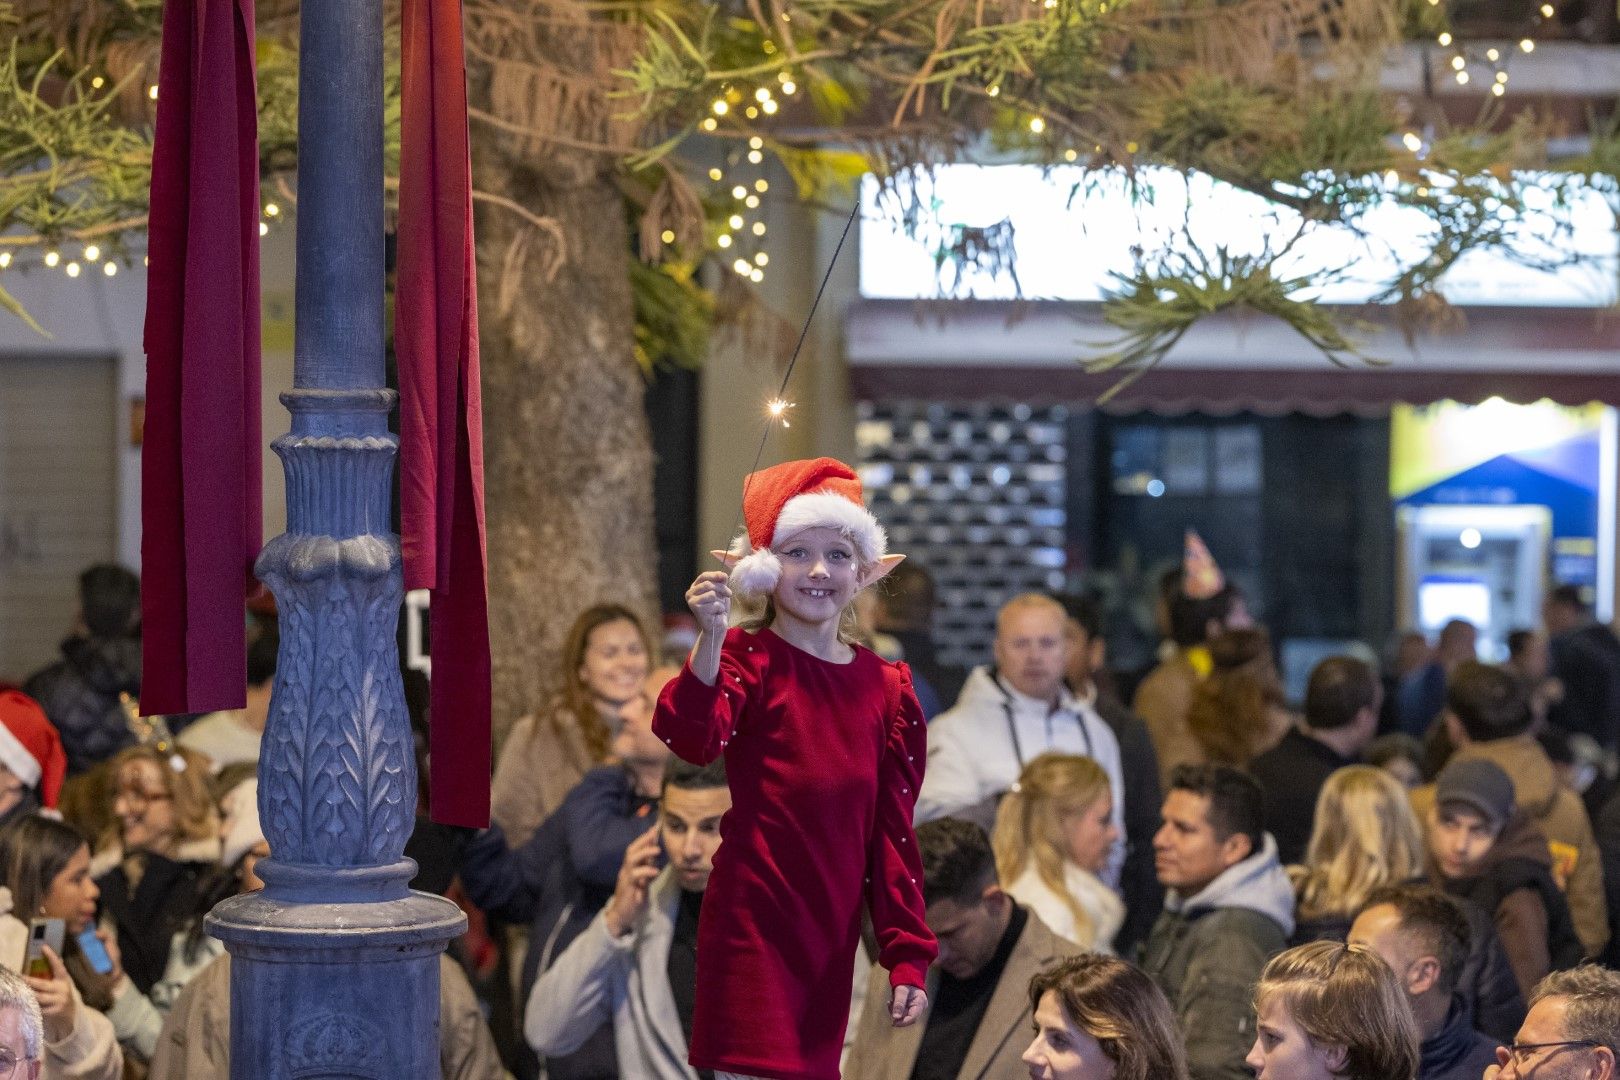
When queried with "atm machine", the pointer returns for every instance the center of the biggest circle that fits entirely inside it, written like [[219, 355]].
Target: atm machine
[[1485, 564]]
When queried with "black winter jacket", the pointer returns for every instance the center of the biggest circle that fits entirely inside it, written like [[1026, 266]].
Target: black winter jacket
[[80, 695], [557, 882]]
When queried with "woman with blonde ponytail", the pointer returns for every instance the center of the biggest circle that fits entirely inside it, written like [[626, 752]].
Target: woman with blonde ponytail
[[1054, 831]]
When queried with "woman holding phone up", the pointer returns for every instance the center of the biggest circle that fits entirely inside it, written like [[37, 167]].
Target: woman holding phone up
[[46, 889]]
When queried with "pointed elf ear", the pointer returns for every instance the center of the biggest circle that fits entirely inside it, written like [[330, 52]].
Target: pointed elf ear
[[729, 558], [880, 569]]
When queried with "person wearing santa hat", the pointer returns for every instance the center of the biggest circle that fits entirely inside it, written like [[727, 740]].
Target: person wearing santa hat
[[824, 744], [32, 762]]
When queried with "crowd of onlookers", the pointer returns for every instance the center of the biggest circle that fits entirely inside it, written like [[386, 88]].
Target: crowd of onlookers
[[1179, 873]]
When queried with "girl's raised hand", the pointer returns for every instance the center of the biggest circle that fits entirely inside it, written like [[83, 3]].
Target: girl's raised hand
[[709, 599]]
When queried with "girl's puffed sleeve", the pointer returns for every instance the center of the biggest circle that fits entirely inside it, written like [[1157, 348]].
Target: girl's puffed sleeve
[[697, 721], [894, 883]]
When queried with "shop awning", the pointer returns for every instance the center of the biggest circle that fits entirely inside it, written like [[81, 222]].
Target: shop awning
[[1035, 352]]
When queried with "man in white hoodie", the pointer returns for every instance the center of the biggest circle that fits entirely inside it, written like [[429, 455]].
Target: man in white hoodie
[[636, 963], [1011, 713], [1228, 909]]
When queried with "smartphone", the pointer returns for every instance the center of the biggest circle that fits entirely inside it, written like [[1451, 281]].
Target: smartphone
[[42, 932], [94, 951]]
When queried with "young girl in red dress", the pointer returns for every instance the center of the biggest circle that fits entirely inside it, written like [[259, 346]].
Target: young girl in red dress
[[824, 745]]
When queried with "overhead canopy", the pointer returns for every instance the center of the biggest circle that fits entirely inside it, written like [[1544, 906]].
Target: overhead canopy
[[1036, 351]]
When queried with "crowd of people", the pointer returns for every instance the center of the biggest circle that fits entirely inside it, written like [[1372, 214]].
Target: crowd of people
[[1410, 874]]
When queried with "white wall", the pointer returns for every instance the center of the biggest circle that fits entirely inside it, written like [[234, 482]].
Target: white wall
[[94, 315]]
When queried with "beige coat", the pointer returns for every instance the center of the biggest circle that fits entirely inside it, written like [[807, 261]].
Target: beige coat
[[1559, 812], [883, 1052], [196, 1039], [541, 761], [1163, 701]]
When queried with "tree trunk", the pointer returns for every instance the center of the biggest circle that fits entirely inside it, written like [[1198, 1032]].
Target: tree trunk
[[567, 448]]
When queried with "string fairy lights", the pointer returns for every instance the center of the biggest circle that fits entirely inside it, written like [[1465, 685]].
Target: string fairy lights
[[1464, 59], [93, 254], [741, 177]]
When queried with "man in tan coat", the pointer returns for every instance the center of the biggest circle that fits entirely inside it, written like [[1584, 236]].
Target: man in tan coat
[[1488, 717], [978, 1018]]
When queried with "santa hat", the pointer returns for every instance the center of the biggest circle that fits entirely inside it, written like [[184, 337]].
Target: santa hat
[[1200, 577], [240, 829], [30, 746], [789, 498]]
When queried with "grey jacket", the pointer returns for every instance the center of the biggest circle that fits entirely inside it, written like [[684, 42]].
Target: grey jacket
[[599, 978], [1206, 953]]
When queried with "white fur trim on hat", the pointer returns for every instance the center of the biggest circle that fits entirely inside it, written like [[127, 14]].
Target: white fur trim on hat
[[831, 510], [15, 756]]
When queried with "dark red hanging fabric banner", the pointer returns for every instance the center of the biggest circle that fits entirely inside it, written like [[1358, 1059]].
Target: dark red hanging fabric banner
[[200, 462], [441, 415]]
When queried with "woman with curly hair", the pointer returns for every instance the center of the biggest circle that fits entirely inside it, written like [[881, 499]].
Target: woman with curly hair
[[1098, 1018], [1054, 831], [1332, 1012], [161, 852], [606, 658], [1239, 709], [1365, 837]]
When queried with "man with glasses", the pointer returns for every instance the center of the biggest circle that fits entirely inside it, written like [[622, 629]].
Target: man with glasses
[[22, 1029], [1572, 1032]]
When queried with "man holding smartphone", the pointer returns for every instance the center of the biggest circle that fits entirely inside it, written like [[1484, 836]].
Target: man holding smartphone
[[636, 963]]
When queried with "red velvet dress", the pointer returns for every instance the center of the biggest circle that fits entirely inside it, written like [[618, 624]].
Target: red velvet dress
[[824, 761]]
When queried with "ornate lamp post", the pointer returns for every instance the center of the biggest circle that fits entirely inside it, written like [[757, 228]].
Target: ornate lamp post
[[334, 966]]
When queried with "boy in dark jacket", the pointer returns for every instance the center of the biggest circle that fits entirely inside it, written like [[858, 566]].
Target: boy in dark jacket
[[1484, 850]]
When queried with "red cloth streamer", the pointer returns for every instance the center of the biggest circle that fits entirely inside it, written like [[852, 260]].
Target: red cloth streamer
[[441, 418], [200, 462]]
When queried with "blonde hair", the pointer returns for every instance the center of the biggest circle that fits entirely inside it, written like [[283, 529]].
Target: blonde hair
[[1029, 825], [184, 774], [1365, 837], [1345, 995]]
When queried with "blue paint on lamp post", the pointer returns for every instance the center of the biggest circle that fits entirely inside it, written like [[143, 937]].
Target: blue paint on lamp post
[[335, 965]]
